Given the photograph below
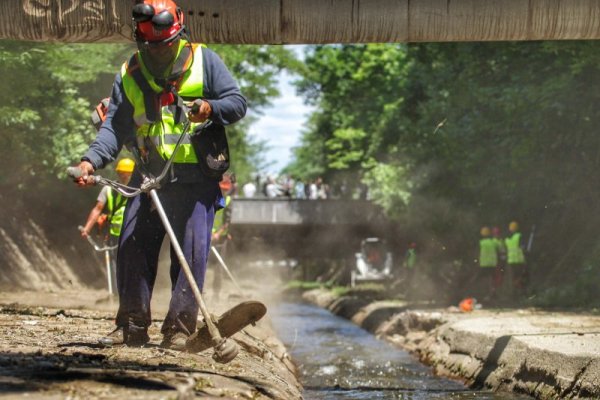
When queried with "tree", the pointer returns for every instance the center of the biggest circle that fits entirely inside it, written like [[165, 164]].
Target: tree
[[451, 136], [46, 119]]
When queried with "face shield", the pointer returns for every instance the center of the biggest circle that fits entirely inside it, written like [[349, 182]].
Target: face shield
[[157, 34], [158, 59]]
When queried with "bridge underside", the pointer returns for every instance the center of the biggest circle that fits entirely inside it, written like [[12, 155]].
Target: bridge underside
[[304, 242], [313, 21], [304, 229]]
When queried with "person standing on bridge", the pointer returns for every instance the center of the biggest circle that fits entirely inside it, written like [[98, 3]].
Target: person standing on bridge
[[146, 111]]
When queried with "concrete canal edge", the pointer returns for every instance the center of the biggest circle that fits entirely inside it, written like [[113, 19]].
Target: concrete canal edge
[[547, 355]]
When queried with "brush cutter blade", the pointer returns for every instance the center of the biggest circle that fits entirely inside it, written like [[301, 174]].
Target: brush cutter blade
[[226, 351], [230, 322]]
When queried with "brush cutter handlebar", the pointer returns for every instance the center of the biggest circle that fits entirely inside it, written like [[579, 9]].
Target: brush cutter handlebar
[[127, 191], [149, 182]]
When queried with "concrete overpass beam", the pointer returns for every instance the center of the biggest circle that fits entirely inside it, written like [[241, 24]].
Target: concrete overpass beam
[[313, 21]]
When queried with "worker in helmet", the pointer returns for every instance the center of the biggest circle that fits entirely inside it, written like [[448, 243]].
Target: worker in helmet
[[166, 82], [109, 209], [488, 262], [410, 258], [410, 270], [113, 202], [220, 231], [516, 271]]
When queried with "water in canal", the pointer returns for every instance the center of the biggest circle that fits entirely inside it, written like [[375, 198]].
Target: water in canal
[[339, 360]]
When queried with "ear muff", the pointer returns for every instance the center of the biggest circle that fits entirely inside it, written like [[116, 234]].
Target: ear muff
[[157, 22], [142, 12]]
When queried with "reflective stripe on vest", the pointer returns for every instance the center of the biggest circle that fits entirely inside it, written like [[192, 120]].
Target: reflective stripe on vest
[[220, 217], [488, 255], [115, 216], [513, 249], [165, 133]]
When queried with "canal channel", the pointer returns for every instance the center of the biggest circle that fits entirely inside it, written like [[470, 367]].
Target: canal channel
[[339, 360]]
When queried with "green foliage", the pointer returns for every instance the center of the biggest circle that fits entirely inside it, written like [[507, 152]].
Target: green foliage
[[256, 69], [390, 186], [355, 93], [346, 148], [452, 136], [44, 118], [304, 285]]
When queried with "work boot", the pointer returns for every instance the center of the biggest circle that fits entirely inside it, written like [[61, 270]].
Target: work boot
[[174, 341], [115, 338], [121, 336], [136, 336]]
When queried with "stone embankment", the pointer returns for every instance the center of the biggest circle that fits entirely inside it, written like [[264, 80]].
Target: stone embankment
[[49, 350], [547, 355]]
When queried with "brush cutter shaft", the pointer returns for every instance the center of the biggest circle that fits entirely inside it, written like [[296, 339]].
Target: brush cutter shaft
[[214, 332], [106, 250], [216, 253], [95, 245], [108, 271]]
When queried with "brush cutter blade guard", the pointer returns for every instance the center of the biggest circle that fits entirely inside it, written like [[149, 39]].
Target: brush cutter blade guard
[[229, 323]]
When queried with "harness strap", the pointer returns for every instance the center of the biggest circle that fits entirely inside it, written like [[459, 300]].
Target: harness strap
[[151, 99], [178, 69], [169, 97]]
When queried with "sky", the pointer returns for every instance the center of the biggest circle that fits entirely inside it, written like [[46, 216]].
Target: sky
[[280, 125]]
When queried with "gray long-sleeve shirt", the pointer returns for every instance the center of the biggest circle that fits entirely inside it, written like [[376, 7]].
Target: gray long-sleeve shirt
[[220, 90]]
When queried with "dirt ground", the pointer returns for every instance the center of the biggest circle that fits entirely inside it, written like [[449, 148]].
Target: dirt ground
[[49, 349]]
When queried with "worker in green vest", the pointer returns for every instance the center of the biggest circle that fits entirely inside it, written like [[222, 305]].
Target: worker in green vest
[[411, 256], [109, 209], [515, 260], [220, 232], [409, 272], [113, 203], [488, 261]]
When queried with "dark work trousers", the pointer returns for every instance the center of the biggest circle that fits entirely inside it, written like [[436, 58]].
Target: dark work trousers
[[190, 208]]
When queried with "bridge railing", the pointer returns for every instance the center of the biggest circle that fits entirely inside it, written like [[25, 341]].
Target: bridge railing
[[303, 212]]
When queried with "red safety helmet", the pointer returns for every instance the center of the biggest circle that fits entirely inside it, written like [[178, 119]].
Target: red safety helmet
[[157, 22]]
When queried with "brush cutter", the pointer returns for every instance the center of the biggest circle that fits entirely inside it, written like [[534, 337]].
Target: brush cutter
[[220, 259], [106, 249], [225, 349]]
